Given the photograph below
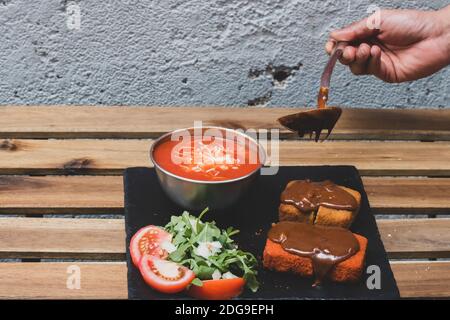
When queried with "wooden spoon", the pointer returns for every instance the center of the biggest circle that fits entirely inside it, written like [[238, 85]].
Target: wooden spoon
[[314, 121]]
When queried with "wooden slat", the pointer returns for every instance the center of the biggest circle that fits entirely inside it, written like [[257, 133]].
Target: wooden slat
[[408, 195], [62, 238], [112, 156], [108, 280], [422, 279], [72, 156], [104, 194], [105, 238], [49, 281], [61, 194], [416, 238], [372, 157], [148, 122]]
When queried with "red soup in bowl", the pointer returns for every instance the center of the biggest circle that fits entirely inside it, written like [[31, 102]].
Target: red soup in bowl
[[212, 157], [206, 167]]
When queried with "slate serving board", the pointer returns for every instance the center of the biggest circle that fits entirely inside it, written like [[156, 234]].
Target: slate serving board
[[145, 203]]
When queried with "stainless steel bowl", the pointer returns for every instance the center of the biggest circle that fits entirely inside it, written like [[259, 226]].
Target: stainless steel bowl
[[197, 195]]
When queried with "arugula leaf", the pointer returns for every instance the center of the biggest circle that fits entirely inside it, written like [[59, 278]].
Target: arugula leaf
[[205, 272], [198, 249], [197, 282], [178, 254]]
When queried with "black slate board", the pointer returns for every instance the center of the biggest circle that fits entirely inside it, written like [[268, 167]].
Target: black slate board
[[145, 203]]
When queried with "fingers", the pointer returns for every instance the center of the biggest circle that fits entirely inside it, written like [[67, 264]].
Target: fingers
[[348, 56], [351, 55], [362, 55], [356, 31], [364, 59], [374, 65], [329, 46]]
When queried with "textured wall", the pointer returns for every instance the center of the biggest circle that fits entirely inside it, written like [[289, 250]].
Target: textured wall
[[199, 52]]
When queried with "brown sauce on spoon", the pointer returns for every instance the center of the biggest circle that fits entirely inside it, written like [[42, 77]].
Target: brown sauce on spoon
[[312, 121], [307, 196], [315, 121], [325, 246], [322, 97]]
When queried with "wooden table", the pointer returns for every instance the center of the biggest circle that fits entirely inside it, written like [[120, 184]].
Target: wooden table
[[67, 161]]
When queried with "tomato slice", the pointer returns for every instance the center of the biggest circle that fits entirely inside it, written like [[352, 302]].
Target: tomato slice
[[147, 241], [221, 289], [165, 276]]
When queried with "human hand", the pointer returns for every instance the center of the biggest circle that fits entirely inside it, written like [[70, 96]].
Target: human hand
[[409, 45]]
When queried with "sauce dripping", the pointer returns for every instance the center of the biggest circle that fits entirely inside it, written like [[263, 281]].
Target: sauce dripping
[[315, 121], [307, 196], [312, 121], [325, 246]]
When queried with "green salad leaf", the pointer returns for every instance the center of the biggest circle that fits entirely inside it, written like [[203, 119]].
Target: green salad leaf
[[209, 251]]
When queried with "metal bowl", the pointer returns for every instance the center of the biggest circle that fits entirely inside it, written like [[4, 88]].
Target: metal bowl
[[196, 194]]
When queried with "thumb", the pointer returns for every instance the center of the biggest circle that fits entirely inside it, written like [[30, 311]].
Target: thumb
[[356, 31]]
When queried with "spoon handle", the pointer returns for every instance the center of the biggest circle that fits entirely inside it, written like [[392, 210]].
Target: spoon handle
[[335, 55], [322, 98]]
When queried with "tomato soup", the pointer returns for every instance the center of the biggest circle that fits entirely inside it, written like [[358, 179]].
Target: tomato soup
[[210, 158]]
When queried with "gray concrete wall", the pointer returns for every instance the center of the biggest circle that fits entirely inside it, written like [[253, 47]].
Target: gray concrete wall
[[198, 52]]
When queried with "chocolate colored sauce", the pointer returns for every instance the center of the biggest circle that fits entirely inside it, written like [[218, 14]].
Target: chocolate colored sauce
[[312, 121], [307, 196], [315, 121], [325, 246], [322, 97]]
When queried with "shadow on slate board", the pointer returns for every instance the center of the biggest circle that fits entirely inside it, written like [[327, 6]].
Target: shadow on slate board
[[145, 203]]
